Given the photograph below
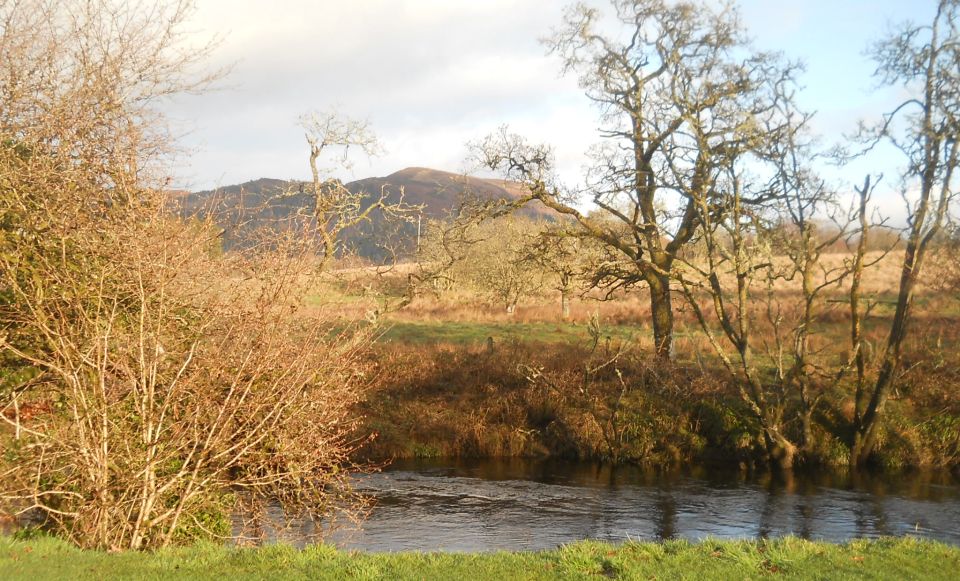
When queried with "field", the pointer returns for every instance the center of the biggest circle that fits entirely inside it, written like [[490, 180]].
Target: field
[[465, 315], [788, 558]]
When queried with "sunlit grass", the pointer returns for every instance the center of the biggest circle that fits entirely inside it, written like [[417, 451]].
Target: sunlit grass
[[466, 332], [788, 558]]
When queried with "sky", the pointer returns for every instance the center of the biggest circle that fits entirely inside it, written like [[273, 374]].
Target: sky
[[432, 75]]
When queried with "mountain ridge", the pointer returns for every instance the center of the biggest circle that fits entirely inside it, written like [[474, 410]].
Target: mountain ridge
[[272, 201]]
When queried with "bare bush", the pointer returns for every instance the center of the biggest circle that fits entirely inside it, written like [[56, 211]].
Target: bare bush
[[152, 386], [181, 387]]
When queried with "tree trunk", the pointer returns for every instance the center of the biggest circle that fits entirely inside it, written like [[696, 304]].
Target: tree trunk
[[781, 451], [564, 304], [806, 426], [866, 428], [661, 309], [865, 435]]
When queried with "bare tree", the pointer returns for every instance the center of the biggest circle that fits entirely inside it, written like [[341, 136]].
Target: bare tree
[[811, 222], [752, 254], [738, 259], [336, 209], [447, 243], [500, 265], [566, 257], [676, 92], [925, 128]]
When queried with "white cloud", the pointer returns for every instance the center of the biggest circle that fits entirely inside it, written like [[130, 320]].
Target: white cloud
[[428, 74], [433, 74]]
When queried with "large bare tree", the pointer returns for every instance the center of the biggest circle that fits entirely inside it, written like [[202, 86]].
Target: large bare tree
[[679, 88]]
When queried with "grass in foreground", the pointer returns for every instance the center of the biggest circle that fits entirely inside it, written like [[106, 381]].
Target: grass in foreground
[[788, 558]]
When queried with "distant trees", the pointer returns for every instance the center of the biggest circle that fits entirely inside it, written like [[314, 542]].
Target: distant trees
[[681, 93], [499, 264], [448, 243], [505, 257], [567, 260]]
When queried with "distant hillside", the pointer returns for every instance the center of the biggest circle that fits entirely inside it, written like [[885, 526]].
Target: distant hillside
[[268, 203], [440, 192]]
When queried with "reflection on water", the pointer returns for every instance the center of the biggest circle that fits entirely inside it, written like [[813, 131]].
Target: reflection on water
[[515, 504]]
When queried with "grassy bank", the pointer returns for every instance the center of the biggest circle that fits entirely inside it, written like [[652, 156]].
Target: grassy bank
[[783, 558], [534, 399]]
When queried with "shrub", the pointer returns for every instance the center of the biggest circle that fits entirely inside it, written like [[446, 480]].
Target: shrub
[[153, 386]]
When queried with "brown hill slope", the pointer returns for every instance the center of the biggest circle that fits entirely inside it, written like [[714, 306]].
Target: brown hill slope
[[440, 192]]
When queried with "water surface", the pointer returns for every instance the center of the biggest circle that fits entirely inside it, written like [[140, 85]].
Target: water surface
[[529, 505]]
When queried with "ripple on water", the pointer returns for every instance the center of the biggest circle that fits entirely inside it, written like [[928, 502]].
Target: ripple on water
[[511, 505]]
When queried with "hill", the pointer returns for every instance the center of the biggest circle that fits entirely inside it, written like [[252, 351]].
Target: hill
[[276, 203]]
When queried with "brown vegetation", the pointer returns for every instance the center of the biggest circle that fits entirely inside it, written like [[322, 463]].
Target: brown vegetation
[[536, 399], [150, 386]]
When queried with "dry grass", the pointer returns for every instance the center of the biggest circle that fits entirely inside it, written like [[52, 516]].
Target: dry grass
[[360, 288], [358, 292]]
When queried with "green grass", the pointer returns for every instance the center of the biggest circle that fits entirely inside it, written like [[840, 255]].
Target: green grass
[[474, 332], [788, 558]]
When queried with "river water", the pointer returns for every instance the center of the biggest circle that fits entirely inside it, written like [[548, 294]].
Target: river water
[[528, 505]]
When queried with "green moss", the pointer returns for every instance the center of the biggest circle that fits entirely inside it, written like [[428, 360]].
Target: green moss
[[212, 517], [728, 431], [425, 451]]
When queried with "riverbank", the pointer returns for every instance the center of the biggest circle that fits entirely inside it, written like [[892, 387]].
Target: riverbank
[[504, 397], [788, 558]]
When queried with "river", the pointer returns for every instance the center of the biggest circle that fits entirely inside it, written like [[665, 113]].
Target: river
[[488, 505]]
